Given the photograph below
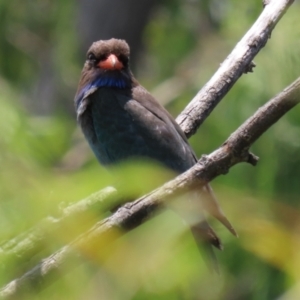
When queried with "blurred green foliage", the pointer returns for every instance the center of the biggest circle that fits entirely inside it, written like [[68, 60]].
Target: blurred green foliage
[[45, 162]]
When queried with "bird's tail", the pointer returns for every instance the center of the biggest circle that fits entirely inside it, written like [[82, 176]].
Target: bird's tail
[[205, 238], [204, 235], [210, 204]]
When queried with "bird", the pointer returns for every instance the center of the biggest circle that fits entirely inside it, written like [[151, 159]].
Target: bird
[[121, 120]]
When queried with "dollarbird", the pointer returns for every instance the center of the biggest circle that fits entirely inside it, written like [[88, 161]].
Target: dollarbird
[[120, 120]]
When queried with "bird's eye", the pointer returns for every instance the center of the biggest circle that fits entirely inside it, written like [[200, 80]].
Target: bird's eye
[[102, 57], [92, 57], [124, 59]]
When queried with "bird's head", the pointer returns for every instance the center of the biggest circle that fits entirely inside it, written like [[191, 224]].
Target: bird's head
[[106, 65], [108, 56]]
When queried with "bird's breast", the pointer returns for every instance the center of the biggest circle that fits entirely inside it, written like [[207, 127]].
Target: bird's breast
[[118, 127], [109, 129]]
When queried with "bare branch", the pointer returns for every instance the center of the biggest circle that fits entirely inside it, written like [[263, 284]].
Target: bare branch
[[232, 68]]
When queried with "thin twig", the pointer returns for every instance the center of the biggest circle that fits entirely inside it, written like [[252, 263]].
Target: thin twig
[[30, 242]]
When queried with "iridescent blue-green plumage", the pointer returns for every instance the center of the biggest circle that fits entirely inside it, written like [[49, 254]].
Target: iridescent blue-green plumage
[[120, 119]]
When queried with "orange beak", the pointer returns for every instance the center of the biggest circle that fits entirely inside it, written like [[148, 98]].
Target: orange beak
[[111, 63]]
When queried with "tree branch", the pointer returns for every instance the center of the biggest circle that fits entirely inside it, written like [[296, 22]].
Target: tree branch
[[30, 242], [238, 62]]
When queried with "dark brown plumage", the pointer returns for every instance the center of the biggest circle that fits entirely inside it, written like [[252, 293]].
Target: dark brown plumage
[[121, 120]]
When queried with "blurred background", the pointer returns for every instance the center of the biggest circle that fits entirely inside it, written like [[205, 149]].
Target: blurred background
[[176, 46]]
